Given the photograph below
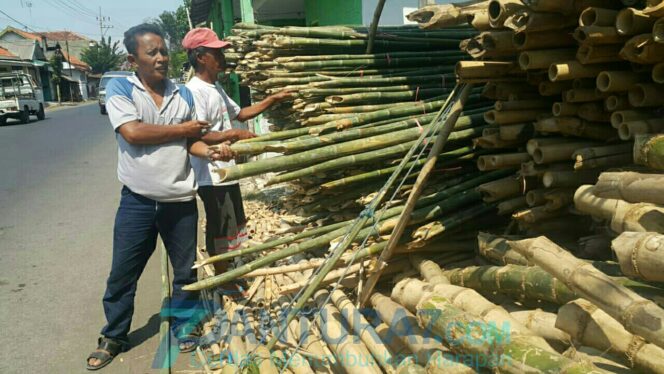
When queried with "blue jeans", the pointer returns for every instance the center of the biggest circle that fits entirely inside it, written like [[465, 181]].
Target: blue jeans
[[137, 223]]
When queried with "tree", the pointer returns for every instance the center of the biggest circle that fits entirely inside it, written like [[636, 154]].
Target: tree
[[56, 77], [175, 26], [103, 56]]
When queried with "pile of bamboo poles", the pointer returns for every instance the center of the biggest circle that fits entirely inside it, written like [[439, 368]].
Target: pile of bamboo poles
[[334, 78], [558, 153]]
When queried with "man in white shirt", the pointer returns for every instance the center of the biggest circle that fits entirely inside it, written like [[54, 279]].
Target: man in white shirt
[[225, 228]]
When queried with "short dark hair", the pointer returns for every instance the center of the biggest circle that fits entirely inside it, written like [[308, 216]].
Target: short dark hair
[[130, 35], [192, 55]]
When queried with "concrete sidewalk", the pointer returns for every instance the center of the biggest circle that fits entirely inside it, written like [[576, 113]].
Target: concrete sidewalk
[[54, 105]]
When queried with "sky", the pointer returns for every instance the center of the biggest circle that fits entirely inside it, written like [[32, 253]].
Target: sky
[[80, 16]]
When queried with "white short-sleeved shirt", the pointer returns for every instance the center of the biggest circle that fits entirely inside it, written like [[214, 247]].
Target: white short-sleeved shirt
[[161, 172], [214, 106]]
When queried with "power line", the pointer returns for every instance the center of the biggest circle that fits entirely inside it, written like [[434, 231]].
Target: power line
[[69, 13], [17, 21], [83, 8]]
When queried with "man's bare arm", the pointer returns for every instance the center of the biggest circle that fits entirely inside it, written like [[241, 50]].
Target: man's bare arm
[[135, 132], [220, 153], [228, 136], [256, 109]]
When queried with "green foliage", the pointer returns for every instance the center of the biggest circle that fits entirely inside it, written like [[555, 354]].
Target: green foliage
[[177, 60], [56, 65], [175, 26], [103, 56]]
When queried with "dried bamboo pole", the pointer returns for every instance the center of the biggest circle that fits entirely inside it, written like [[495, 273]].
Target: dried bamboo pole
[[365, 331], [340, 340], [438, 312], [404, 326], [640, 255], [410, 292], [593, 327], [634, 311], [623, 216], [631, 186], [543, 324]]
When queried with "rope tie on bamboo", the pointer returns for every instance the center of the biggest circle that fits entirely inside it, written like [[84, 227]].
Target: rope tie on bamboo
[[635, 253], [361, 73], [531, 318], [389, 60], [633, 348], [417, 92], [419, 126], [627, 315]]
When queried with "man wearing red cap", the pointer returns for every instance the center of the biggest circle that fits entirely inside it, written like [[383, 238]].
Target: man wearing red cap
[[225, 228]]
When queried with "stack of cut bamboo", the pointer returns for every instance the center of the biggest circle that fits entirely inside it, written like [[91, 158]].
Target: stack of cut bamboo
[[334, 79], [571, 90]]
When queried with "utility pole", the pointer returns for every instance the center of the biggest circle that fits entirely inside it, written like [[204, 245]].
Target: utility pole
[[103, 27]]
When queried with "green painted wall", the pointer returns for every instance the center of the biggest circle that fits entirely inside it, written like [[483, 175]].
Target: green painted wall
[[333, 12]]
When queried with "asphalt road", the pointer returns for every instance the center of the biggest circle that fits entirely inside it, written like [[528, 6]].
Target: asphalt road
[[58, 197]]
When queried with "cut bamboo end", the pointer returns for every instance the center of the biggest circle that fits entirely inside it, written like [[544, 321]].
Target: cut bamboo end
[[658, 31], [597, 17], [630, 21], [649, 150], [658, 72], [616, 102], [616, 81], [646, 95]]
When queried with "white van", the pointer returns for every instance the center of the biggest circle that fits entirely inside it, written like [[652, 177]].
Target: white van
[[104, 82], [20, 97]]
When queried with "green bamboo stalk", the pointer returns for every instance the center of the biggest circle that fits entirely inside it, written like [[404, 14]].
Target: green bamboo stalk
[[440, 227], [313, 92], [418, 44], [453, 57], [312, 142], [456, 186], [528, 282], [381, 97], [448, 79], [317, 155], [363, 56], [355, 159], [368, 176]]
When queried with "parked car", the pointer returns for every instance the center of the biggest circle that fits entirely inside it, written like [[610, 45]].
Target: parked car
[[104, 82], [20, 97]]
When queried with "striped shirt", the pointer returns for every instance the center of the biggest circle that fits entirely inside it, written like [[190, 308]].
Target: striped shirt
[[161, 172]]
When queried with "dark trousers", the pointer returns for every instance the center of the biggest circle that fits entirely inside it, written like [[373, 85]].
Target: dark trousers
[[138, 222]]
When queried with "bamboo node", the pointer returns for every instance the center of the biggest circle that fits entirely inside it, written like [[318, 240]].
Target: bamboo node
[[627, 315], [635, 254], [633, 348]]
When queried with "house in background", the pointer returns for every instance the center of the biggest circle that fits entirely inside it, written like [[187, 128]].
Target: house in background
[[26, 48], [40, 47]]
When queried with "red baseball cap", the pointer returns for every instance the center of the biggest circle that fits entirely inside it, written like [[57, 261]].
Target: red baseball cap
[[203, 37]]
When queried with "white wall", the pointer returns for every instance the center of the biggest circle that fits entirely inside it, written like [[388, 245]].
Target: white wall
[[392, 12], [80, 77]]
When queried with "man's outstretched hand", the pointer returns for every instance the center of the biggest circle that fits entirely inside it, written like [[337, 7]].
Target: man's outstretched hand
[[283, 95], [221, 152]]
